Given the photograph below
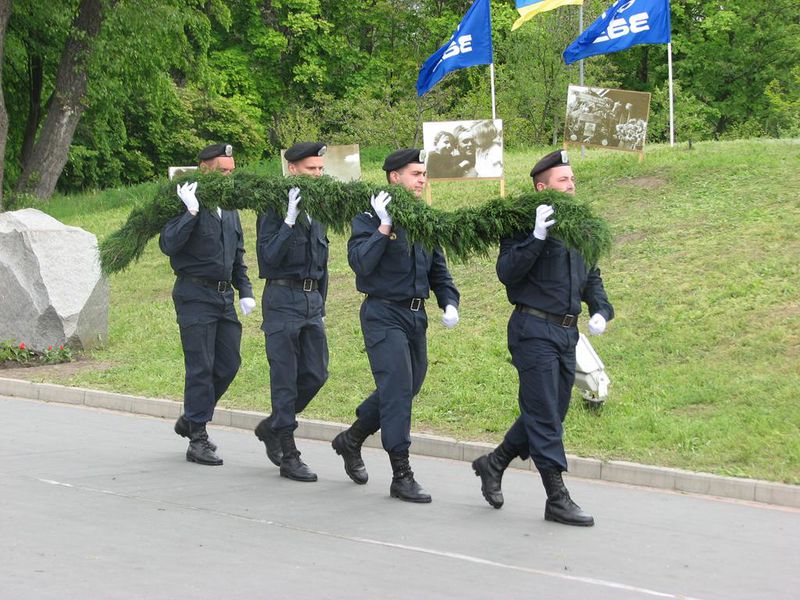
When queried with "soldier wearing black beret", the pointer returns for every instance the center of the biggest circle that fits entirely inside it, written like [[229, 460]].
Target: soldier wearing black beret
[[554, 172], [206, 251], [397, 278], [546, 282], [296, 157], [293, 258], [207, 154]]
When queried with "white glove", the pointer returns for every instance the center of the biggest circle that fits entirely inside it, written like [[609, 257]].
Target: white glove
[[291, 208], [597, 324], [543, 212], [186, 194], [379, 203], [247, 305], [450, 316]]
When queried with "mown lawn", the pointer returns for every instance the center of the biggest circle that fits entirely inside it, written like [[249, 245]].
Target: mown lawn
[[704, 354]]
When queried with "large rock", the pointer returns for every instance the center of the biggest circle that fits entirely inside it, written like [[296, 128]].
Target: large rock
[[51, 289]]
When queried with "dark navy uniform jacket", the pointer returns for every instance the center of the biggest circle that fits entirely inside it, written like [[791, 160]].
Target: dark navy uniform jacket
[[208, 247], [387, 268], [299, 252], [546, 275]]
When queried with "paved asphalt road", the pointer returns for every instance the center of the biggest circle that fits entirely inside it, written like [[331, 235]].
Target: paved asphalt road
[[103, 505]]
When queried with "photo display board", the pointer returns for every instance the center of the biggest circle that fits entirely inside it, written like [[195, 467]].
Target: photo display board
[[464, 149], [607, 118]]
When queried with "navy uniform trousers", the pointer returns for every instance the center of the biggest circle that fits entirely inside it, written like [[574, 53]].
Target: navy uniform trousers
[[544, 355], [210, 336], [297, 350], [397, 348]]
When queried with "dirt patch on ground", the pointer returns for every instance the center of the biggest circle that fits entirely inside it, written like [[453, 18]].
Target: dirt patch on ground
[[51, 373], [644, 182], [629, 238]]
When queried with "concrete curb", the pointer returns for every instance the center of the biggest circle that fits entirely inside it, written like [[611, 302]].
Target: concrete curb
[[429, 445]]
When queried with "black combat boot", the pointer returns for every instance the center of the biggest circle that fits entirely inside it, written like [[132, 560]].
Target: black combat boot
[[403, 484], [200, 451], [291, 465], [270, 438], [560, 507], [490, 468], [348, 445], [182, 429]]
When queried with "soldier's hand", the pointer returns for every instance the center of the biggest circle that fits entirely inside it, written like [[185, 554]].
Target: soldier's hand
[[543, 213], [291, 208], [186, 193], [379, 203], [247, 305], [450, 316], [597, 324]]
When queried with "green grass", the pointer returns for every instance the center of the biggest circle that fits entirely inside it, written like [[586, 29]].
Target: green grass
[[704, 353]]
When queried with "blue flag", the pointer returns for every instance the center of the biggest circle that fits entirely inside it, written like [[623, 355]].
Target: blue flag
[[626, 23], [470, 44]]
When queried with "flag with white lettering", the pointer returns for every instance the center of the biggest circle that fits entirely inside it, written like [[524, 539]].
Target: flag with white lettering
[[470, 44], [527, 9], [626, 23]]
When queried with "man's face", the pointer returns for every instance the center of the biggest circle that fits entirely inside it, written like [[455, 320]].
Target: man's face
[[560, 179], [466, 143], [220, 164], [310, 165], [412, 177]]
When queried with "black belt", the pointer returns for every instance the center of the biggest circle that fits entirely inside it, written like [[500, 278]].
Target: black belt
[[307, 285], [411, 303], [563, 320], [220, 286]]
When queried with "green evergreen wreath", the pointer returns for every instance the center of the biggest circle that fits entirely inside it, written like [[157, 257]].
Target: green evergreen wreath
[[461, 233]]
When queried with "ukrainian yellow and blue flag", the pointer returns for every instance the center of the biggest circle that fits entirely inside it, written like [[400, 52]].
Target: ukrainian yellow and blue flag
[[529, 8]]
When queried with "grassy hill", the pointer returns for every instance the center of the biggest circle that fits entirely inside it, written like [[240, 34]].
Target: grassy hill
[[704, 354]]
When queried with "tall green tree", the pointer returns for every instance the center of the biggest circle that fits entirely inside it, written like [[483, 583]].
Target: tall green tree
[[726, 55], [41, 170], [5, 13], [160, 78]]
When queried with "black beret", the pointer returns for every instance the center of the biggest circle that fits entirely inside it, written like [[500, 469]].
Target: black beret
[[400, 158], [215, 150], [554, 159], [303, 150]]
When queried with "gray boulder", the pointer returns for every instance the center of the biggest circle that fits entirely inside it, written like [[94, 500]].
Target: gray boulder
[[51, 289]]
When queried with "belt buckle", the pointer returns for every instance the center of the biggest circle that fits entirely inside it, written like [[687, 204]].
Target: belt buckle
[[308, 285], [568, 321], [415, 304], [222, 286]]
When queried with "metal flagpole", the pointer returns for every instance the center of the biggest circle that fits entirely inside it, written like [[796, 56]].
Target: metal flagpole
[[580, 27], [491, 73], [580, 81], [671, 107]]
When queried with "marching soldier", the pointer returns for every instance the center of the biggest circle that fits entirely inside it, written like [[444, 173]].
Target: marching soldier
[[293, 258], [206, 251], [546, 282], [397, 278]]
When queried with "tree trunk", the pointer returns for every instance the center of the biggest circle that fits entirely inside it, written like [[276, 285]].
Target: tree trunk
[[41, 171], [5, 12], [35, 83], [644, 65]]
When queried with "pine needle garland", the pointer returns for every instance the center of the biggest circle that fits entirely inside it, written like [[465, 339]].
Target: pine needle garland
[[461, 233]]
